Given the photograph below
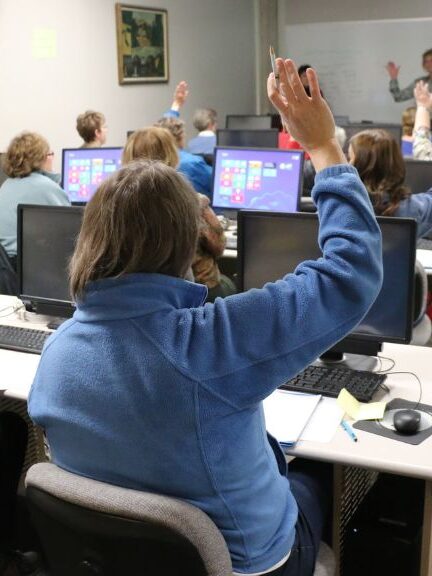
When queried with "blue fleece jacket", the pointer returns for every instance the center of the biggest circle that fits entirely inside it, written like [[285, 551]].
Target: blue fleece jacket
[[147, 388]]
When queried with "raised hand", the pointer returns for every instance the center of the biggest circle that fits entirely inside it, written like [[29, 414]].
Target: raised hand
[[422, 95], [181, 93], [392, 70]]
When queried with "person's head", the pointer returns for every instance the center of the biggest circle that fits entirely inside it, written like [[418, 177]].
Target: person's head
[[205, 119], [379, 161], [28, 152], [302, 73], [144, 218], [427, 61], [153, 143], [177, 128], [92, 127], [408, 119]]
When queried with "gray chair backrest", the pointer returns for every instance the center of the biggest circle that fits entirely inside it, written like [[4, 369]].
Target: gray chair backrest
[[181, 517]]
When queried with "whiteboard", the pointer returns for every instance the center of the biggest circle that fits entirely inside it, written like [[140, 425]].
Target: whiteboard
[[350, 58]]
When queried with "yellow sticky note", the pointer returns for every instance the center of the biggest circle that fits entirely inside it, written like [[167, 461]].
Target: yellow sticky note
[[44, 43], [358, 410]]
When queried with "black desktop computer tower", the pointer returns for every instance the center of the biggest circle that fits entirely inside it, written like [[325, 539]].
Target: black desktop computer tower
[[383, 538]]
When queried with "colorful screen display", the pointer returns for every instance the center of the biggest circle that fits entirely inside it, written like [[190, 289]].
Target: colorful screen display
[[257, 179], [85, 168]]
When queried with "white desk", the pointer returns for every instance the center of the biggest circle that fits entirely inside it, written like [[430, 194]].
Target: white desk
[[371, 452], [425, 258]]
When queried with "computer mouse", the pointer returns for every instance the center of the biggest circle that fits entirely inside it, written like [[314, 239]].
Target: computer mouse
[[406, 421]]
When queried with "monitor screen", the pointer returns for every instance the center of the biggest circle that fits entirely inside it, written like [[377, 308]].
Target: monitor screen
[[248, 122], [418, 175], [46, 241], [83, 169], [258, 179], [272, 245], [248, 138], [354, 128]]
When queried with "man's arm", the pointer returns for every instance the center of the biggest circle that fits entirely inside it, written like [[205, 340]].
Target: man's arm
[[181, 93], [400, 95]]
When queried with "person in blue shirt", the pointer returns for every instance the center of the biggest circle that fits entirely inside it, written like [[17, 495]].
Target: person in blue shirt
[[194, 167], [380, 164], [28, 163], [205, 121], [147, 388]]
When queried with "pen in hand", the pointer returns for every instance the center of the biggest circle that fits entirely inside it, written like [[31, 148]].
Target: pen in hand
[[349, 430], [273, 64]]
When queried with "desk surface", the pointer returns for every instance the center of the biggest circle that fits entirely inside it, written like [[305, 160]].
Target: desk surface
[[371, 451]]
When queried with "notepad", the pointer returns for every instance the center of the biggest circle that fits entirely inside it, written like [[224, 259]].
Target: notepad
[[287, 414]]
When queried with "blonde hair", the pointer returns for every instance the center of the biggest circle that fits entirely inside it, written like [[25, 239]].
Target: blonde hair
[[408, 120], [87, 124], [175, 125], [144, 218], [151, 143], [25, 154]]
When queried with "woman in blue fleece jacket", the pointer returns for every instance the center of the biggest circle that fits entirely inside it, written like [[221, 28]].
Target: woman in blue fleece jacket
[[380, 164], [147, 388]]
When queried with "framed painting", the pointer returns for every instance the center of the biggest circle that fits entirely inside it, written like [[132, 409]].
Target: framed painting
[[142, 44]]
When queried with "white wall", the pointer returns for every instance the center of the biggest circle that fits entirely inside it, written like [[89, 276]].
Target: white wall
[[211, 45]]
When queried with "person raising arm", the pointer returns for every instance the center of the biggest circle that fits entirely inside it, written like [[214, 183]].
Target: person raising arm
[[422, 145], [400, 95], [147, 388]]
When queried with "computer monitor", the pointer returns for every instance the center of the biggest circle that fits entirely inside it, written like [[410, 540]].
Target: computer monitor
[[248, 138], [248, 122], [84, 169], [272, 245], [418, 175], [355, 127], [46, 241], [339, 120], [257, 179]]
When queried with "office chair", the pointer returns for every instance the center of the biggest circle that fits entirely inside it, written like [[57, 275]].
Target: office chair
[[8, 277], [422, 327], [89, 527]]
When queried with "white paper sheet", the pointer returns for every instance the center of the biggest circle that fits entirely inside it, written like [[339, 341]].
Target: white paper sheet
[[324, 421]]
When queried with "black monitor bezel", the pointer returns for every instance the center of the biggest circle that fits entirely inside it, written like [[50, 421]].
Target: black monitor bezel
[[81, 149], [242, 148], [228, 116], [350, 342], [273, 131], [417, 162], [39, 304]]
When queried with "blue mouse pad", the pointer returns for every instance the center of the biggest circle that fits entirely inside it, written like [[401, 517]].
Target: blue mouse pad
[[385, 427]]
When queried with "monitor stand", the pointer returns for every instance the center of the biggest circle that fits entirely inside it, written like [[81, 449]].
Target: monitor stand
[[365, 358]]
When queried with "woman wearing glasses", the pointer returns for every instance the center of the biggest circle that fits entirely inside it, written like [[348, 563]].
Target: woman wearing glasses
[[28, 163]]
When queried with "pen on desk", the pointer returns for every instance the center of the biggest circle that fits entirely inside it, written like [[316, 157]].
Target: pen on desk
[[349, 430], [273, 64]]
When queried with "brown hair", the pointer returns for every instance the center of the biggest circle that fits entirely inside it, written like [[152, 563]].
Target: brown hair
[[144, 218], [426, 54], [25, 154], [87, 124], [380, 164], [408, 120], [175, 125], [151, 144]]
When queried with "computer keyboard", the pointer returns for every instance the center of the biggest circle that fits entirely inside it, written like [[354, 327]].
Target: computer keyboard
[[329, 381], [231, 241], [424, 244], [23, 339]]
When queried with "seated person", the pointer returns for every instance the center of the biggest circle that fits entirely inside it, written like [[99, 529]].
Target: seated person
[[28, 162], [157, 143], [378, 159], [92, 128], [194, 167], [408, 119], [422, 145], [204, 120], [148, 389]]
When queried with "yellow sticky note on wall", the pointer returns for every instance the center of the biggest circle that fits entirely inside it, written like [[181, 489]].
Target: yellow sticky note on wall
[[358, 410], [44, 43]]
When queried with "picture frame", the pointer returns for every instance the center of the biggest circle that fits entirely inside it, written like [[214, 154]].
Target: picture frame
[[142, 44]]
